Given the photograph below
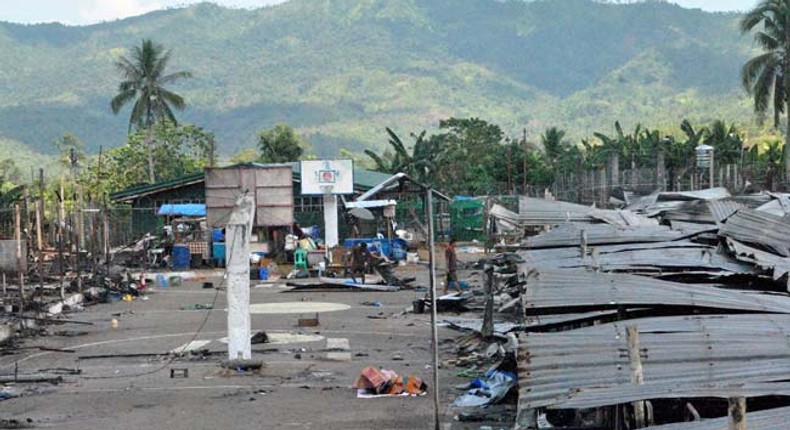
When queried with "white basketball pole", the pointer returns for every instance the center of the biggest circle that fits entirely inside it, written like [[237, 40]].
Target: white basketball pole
[[238, 233], [330, 221]]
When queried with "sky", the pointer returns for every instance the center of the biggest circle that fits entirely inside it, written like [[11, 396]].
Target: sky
[[83, 12]]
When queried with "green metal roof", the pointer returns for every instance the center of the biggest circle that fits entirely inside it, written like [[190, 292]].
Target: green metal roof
[[363, 181], [140, 190]]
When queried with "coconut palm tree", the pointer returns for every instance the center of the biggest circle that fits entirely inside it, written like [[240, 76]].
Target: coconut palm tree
[[766, 77], [143, 82]]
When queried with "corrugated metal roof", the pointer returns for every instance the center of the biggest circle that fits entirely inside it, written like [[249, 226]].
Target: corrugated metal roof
[[723, 209], [586, 398], [688, 351], [752, 227], [563, 290], [778, 266], [600, 234], [659, 258], [550, 212], [771, 419], [717, 193]]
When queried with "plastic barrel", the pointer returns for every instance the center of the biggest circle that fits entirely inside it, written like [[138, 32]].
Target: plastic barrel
[[180, 257], [263, 273], [217, 236]]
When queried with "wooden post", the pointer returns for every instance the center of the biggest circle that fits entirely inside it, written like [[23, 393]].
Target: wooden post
[[106, 238], [583, 245], [596, 257], [80, 237], [637, 377], [488, 315], [737, 413], [19, 256], [61, 239]]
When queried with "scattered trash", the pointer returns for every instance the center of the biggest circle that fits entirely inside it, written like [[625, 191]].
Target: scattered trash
[[197, 307], [374, 382], [376, 304], [181, 372], [259, 337], [6, 393], [308, 322], [487, 391]]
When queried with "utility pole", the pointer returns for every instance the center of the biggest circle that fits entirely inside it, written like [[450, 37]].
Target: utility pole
[[434, 330], [237, 235]]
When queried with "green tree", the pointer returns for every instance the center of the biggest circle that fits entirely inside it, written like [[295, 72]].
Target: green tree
[[471, 157], [177, 150], [144, 81], [726, 141], [280, 144], [554, 146], [766, 77], [421, 162]]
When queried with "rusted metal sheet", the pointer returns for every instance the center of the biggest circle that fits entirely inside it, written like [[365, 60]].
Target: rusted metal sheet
[[771, 419], [759, 228], [271, 185], [688, 351], [570, 234], [587, 398], [563, 290]]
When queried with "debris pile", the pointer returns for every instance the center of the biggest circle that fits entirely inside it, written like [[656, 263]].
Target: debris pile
[[669, 309]]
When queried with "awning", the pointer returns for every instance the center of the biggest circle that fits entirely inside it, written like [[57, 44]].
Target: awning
[[370, 204], [184, 209]]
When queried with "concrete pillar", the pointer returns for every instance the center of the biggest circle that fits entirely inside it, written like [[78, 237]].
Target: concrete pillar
[[237, 259], [330, 220]]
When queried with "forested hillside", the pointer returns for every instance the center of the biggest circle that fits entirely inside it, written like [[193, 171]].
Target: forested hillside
[[340, 71]]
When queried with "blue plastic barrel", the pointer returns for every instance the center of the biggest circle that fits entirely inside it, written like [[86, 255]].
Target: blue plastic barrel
[[263, 273], [180, 257], [217, 236], [218, 251]]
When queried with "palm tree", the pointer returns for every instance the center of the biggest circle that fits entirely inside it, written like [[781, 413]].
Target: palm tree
[[143, 81], [554, 145], [766, 77]]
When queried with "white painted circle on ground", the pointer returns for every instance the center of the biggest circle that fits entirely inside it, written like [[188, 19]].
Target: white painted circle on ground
[[296, 307], [282, 338]]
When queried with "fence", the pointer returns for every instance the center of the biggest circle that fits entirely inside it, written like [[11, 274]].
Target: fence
[[596, 186]]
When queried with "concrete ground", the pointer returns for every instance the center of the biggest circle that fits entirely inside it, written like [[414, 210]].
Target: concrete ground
[[303, 385]]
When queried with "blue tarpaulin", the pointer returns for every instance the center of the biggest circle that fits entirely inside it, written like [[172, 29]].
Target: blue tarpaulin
[[184, 209]]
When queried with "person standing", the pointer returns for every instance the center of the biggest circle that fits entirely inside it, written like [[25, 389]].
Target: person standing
[[360, 256], [451, 259]]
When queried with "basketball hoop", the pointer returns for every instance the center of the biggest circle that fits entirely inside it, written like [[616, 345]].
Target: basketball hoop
[[326, 190]]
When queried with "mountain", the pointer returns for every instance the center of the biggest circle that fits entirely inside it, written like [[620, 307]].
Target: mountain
[[342, 70]]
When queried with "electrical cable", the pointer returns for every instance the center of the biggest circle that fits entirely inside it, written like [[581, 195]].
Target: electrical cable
[[174, 357]]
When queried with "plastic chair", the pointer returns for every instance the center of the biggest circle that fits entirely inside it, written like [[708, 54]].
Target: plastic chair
[[300, 259]]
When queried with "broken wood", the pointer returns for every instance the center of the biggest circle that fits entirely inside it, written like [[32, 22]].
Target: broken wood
[[31, 378], [637, 376], [736, 412]]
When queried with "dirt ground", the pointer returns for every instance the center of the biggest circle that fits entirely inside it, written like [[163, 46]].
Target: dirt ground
[[303, 384]]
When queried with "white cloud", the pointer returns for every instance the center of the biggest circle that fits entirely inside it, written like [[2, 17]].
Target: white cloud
[[108, 10]]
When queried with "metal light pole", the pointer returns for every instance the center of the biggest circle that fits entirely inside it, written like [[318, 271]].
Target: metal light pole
[[434, 331]]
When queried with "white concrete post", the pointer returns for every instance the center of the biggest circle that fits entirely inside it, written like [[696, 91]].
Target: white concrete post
[[237, 258], [330, 221]]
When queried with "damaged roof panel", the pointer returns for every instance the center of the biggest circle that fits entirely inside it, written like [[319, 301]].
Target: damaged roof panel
[[664, 257], [752, 227], [566, 289], [601, 234], [687, 351], [771, 419]]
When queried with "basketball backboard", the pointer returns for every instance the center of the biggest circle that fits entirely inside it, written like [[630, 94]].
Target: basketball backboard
[[321, 177]]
